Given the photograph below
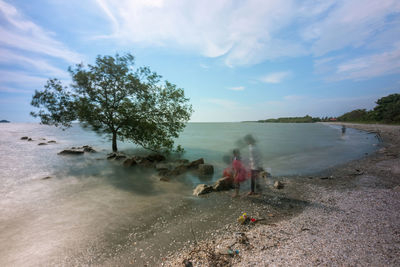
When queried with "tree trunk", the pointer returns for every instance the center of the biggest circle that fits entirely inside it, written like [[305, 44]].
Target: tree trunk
[[114, 142]]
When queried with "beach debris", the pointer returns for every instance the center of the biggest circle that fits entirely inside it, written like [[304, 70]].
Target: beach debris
[[278, 185], [241, 238], [205, 169], [202, 189], [24, 138], [42, 144]]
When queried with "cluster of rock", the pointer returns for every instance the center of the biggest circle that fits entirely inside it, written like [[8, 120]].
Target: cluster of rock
[[165, 169], [41, 143], [77, 150], [226, 183]]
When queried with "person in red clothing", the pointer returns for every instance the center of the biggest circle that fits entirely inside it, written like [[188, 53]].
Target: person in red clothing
[[239, 171]]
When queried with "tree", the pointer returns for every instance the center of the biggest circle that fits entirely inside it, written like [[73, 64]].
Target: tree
[[388, 108], [113, 99], [356, 115]]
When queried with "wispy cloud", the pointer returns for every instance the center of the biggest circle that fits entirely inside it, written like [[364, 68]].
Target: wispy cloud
[[237, 88], [18, 32], [224, 103], [275, 77]]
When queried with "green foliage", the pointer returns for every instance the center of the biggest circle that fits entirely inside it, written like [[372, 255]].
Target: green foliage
[[113, 99], [356, 115], [388, 109], [305, 119]]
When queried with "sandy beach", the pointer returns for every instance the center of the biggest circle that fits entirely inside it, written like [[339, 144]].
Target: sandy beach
[[346, 216]]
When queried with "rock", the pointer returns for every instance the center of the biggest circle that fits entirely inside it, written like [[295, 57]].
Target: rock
[[51, 142], [111, 155], [155, 157], [130, 162], [224, 183], [120, 156], [24, 138], [181, 161], [89, 149], [397, 188], [206, 169], [278, 185], [42, 144], [30, 139], [179, 170], [71, 152], [162, 166], [195, 164], [46, 178], [164, 179], [145, 162], [202, 189]]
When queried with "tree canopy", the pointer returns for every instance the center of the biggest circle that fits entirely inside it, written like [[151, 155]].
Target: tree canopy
[[115, 99]]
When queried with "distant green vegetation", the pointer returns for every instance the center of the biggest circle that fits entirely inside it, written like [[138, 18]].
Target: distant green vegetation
[[387, 110], [305, 119]]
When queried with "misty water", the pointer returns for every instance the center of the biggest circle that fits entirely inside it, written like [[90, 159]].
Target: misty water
[[94, 211]]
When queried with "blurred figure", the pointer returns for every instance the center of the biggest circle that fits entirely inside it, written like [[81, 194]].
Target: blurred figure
[[239, 171], [343, 129], [254, 162]]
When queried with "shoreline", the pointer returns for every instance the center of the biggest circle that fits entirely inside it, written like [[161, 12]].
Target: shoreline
[[347, 216]]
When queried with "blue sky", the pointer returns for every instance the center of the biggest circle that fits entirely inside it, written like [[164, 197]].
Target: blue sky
[[236, 60]]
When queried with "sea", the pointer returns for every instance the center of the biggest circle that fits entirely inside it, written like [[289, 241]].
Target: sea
[[86, 210]]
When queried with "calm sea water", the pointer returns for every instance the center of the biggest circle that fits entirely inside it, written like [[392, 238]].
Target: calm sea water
[[93, 211]]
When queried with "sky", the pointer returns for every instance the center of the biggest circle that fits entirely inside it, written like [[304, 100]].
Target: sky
[[236, 60]]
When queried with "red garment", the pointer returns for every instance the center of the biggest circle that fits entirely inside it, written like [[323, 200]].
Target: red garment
[[241, 173]]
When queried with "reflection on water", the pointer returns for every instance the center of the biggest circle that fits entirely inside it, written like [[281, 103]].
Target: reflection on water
[[93, 210]]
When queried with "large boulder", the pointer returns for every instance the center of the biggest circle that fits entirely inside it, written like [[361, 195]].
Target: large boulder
[[224, 183], [205, 169], [195, 164], [88, 149], [202, 189], [71, 152]]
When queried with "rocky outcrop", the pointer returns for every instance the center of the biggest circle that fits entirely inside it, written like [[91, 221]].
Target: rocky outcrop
[[71, 152], [77, 150], [224, 183], [202, 189], [195, 164], [205, 169]]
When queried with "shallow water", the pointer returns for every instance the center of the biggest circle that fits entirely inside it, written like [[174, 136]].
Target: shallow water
[[92, 210]]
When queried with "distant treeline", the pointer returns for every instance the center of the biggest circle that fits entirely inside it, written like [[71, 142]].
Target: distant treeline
[[387, 110], [293, 119]]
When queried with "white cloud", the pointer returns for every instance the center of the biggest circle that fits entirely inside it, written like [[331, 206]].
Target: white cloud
[[237, 88], [9, 57], [224, 103], [21, 33], [21, 78], [275, 77]]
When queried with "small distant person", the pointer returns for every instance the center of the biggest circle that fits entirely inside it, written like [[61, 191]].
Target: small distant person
[[239, 171], [343, 129], [254, 162]]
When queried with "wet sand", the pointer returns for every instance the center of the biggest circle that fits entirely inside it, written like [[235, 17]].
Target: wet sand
[[347, 215]]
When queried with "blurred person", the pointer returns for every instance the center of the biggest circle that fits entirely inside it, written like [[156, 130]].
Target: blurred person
[[239, 171], [254, 162]]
